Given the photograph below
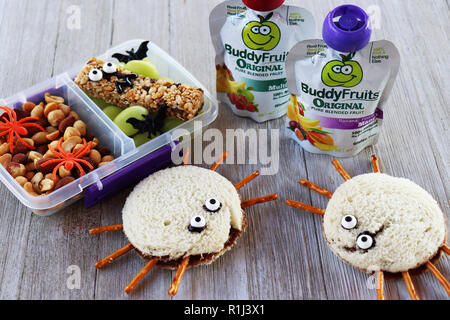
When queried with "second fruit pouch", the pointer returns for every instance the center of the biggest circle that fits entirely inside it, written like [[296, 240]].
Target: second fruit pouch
[[339, 85], [252, 40]]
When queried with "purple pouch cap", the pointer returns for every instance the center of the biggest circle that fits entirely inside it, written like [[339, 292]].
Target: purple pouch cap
[[347, 28]]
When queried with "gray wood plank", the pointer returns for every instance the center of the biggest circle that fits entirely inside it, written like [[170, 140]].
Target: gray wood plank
[[67, 241], [148, 20], [27, 59]]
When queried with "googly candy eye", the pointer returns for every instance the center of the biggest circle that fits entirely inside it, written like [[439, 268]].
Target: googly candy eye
[[348, 222], [347, 69], [198, 224], [364, 241], [336, 69], [95, 75], [109, 67], [265, 30], [255, 29], [212, 205]]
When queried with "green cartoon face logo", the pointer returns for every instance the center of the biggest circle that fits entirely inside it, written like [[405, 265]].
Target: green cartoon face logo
[[263, 35], [345, 73]]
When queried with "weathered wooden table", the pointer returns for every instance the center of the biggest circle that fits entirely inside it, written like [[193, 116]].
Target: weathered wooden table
[[282, 255]]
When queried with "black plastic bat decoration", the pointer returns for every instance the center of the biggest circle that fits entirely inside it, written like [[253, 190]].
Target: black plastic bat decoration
[[140, 54], [152, 123]]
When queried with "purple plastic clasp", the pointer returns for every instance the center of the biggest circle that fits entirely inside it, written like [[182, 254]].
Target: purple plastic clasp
[[347, 28], [128, 176]]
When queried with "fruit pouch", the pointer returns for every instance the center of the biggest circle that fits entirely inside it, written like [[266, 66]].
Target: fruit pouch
[[340, 85], [252, 40]]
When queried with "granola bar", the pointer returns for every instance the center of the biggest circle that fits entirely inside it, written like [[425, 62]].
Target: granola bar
[[123, 88]]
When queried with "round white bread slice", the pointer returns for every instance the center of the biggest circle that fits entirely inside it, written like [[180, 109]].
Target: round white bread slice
[[159, 214], [399, 226]]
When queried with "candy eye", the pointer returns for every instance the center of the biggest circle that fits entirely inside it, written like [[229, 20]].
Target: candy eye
[[348, 222], [255, 29], [265, 30], [347, 70], [109, 67], [364, 241], [198, 224], [212, 205], [336, 69], [95, 75]]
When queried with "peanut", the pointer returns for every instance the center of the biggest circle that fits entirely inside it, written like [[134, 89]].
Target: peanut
[[4, 148], [50, 176], [70, 143], [38, 111], [63, 172], [71, 132], [51, 107], [46, 185], [29, 141], [33, 155], [55, 117], [39, 138], [29, 188], [28, 106], [65, 108], [107, 159], [75, 115], [95, 156], [81, 126], [49, 98], [52, 136], [16, 169], [21, 180], [38, 177], [94, 143], [5, 159]]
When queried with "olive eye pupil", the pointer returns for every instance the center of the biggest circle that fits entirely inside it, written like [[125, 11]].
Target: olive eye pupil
[[94, 72], [349, 222], [364, 239], [212, 205], [198, 219]]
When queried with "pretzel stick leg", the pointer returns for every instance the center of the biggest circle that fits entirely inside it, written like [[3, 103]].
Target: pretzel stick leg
[[178, 275], [446, 249], [375, 164], [316, 188], [101, 263], [410, 286], [380, 285], [251, 202], [439, 276], [186, 157], [149, 266], [114, 227], [219, 161], [305, 207], [246, 180], [341, 170]]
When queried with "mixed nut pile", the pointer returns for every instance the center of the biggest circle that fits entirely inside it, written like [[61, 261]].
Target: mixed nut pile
[[46, 146]]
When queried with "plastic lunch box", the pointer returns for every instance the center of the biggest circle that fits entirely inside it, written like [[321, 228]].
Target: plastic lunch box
[[131, 164]]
